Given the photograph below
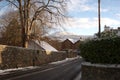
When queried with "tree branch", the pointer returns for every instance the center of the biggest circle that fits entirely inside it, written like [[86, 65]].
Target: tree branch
[[12, 2]]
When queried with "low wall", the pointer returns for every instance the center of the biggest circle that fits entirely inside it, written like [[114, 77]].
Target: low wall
[[13, 57], [100, 72]]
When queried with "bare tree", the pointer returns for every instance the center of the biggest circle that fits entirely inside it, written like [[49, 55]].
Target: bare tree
[[11, 33], [6, 18], [44, 12]]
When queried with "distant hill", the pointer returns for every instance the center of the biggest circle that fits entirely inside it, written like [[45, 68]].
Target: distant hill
[[61, 36]]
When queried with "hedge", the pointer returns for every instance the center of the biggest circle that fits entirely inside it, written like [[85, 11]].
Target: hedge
[[101, 50]]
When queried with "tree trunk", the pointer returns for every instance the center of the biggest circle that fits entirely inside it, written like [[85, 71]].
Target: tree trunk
[[24, 19], [27, 19], [24, 42]]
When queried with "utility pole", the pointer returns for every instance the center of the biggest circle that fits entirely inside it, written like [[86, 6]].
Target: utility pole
[[99, 21]]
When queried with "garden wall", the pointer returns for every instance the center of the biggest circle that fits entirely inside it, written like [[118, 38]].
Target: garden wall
[[100, 72], [13, 57]]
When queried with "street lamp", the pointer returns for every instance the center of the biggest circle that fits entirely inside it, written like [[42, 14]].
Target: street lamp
[[99, 24]]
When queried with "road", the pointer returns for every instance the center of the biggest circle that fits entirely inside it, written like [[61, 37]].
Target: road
[[65, 71]]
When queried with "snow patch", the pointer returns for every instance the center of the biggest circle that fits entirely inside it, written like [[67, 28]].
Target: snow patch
[[101, 65], [7, 71], [65, 60]]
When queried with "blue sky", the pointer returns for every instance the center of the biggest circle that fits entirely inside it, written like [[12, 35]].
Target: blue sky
[[84, 17]]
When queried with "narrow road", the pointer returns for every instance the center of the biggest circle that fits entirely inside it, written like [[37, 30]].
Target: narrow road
[[64, 71]]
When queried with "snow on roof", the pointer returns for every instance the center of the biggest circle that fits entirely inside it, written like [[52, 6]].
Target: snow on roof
[[72, 40], [46, 46]]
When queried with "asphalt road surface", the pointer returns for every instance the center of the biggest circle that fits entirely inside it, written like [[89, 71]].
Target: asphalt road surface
[[65, 71]]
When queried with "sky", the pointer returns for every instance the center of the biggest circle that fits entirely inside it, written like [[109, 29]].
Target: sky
[[83, 16]]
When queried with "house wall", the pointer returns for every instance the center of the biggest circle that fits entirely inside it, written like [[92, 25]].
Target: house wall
[[67, 44], [76, 45], [13, 57], [56, 44]]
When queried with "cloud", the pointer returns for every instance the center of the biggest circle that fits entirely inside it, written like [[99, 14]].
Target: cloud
[[118, 15], [84, 5], [110, 22], [83, 23], [88, 23], [88, 26], [104, 10], [78, 5]]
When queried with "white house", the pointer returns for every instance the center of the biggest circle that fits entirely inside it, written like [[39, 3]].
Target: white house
[[107, 28], [118, 31]]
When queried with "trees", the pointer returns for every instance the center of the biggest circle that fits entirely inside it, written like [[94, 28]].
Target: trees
[[108, 34], [11, 35], [10, 29], [44, 12]]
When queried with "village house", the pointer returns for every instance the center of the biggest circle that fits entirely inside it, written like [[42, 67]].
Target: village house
[[116, 31], [76, 45], [40, 45], [53, 42], [61, 45], [66, 45]]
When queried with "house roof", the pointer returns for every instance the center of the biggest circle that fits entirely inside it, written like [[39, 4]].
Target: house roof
[[71, 40], [33, 45], [46, 46], [42, 45]]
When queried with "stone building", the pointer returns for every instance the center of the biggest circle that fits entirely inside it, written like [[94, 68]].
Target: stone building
[[67, 44], [76, 45]]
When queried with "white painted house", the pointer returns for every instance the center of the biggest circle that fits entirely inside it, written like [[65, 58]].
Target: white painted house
[[107, 28], [118, 31]]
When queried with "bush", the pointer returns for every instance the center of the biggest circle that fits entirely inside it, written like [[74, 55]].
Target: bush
[[101, 51]]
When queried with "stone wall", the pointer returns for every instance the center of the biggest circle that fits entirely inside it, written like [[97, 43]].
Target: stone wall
[[100, 72], [13, 57]]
